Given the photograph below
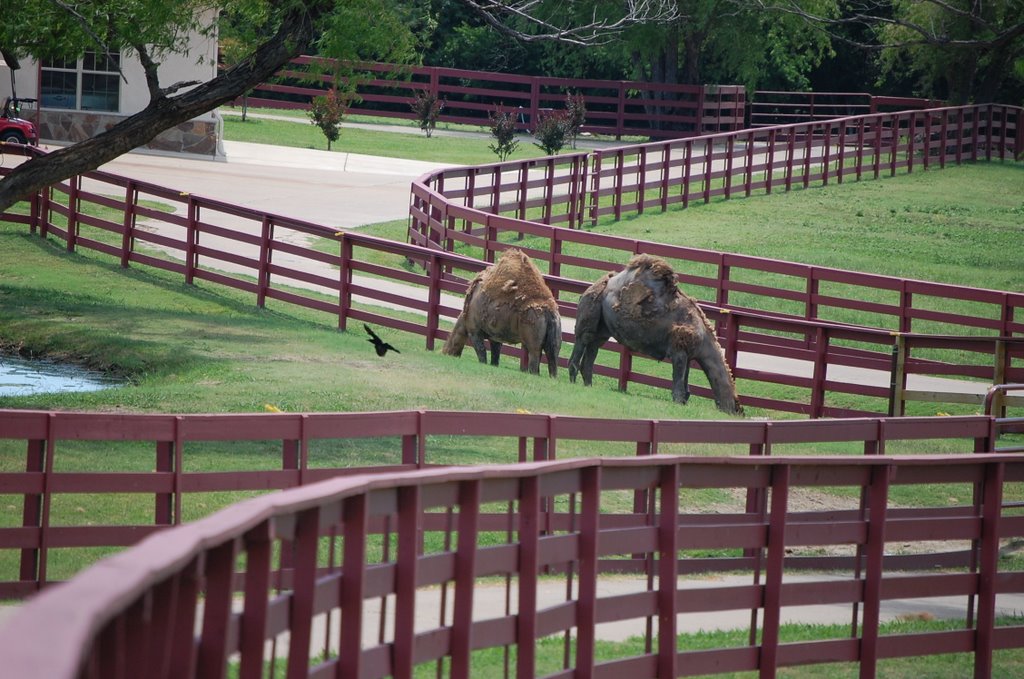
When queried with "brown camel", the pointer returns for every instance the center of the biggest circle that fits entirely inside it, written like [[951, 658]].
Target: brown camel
[[509, 302], [643, 309]]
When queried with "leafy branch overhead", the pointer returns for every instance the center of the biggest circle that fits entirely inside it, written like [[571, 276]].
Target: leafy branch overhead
[[275, 31]]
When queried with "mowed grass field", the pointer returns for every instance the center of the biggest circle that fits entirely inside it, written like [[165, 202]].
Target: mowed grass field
[[200, 348]]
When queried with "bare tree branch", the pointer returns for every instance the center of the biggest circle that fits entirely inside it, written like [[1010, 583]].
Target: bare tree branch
[[596, 31], [872, 14]]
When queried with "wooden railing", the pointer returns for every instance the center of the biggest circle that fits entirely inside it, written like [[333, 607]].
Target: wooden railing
[[319, 569], [50, 443], [613, 107], [768, 108], [285, 260], [451, 209]]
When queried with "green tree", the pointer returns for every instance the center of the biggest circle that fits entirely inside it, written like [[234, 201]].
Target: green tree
[[551, 133], [153, 30], [729, 41], [427, 108], [326, 112], [503, 129], [960, 50]]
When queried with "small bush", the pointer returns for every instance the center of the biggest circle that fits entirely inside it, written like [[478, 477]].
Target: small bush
[[503, 129], [575, 115], [326, 112], [427, 108], [551, 133]]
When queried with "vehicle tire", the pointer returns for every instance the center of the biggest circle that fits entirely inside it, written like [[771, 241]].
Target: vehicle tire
[[13, 137]]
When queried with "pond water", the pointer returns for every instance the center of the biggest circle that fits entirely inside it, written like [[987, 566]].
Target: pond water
[[24, 377]]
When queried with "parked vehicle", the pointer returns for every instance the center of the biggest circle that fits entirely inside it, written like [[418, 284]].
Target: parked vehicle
[[16, 130]]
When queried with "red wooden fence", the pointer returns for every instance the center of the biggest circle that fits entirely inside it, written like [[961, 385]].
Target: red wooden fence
[[317, 582], [260, 253], [767, 108], [614, 107], [462, 207]]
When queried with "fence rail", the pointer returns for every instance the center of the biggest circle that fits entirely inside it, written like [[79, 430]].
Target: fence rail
[[769, 108], [282, 260], [613, 107], [446, 212], [298, 449], [135, 614]]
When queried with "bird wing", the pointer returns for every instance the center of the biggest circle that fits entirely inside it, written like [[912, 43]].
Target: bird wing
[[372, 333]]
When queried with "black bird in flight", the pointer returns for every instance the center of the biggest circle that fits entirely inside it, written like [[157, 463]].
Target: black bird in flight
[[378, 344]]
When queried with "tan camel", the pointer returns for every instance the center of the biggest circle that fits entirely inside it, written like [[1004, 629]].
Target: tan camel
[[643, 309], [509, 303]]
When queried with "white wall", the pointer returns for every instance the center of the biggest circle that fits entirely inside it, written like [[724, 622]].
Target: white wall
[[199, 64]]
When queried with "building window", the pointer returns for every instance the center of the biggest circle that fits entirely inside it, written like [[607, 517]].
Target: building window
[[91, 83]]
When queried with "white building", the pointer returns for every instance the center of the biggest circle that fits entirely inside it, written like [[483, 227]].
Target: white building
[[78, 99]]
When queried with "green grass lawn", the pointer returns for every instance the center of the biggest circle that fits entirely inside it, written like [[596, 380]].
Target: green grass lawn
[[201, 348], [439, 149]]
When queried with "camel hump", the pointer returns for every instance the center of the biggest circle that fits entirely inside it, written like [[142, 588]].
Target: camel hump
[[654, 268], [516, 280]]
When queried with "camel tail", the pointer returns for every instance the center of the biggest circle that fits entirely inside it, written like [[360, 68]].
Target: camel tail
[[552, 339]]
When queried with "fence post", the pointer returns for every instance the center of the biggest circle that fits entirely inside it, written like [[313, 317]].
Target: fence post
[[35, 456], [344, 282], [554, 266], [641, 180], [529, 564], [818, 380], [595, 186], [191, 239], [263, 275], [534, 103], [992, 505], [898, 376], [131, 194], [709, 152], [748, 174], [73, 191], [586, 606], [960, 135], [258, 549], [625, 367], [620, 112], [878, 502], [1002, 365], [164, 502], [776, 543], [433, 301], [668, 554]]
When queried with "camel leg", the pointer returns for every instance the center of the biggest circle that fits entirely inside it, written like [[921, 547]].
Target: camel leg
[[481, 349], [552, 363], [574, 360], [587, 361], [681, 379], [534, 366], [495, 352]]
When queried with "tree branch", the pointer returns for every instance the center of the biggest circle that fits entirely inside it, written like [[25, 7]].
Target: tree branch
[[870, 14], [597, 31]]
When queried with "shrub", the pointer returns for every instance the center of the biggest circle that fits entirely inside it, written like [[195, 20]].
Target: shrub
[[551, 133], [575, 115], [326, 112], [503, 129], [427, 108]]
